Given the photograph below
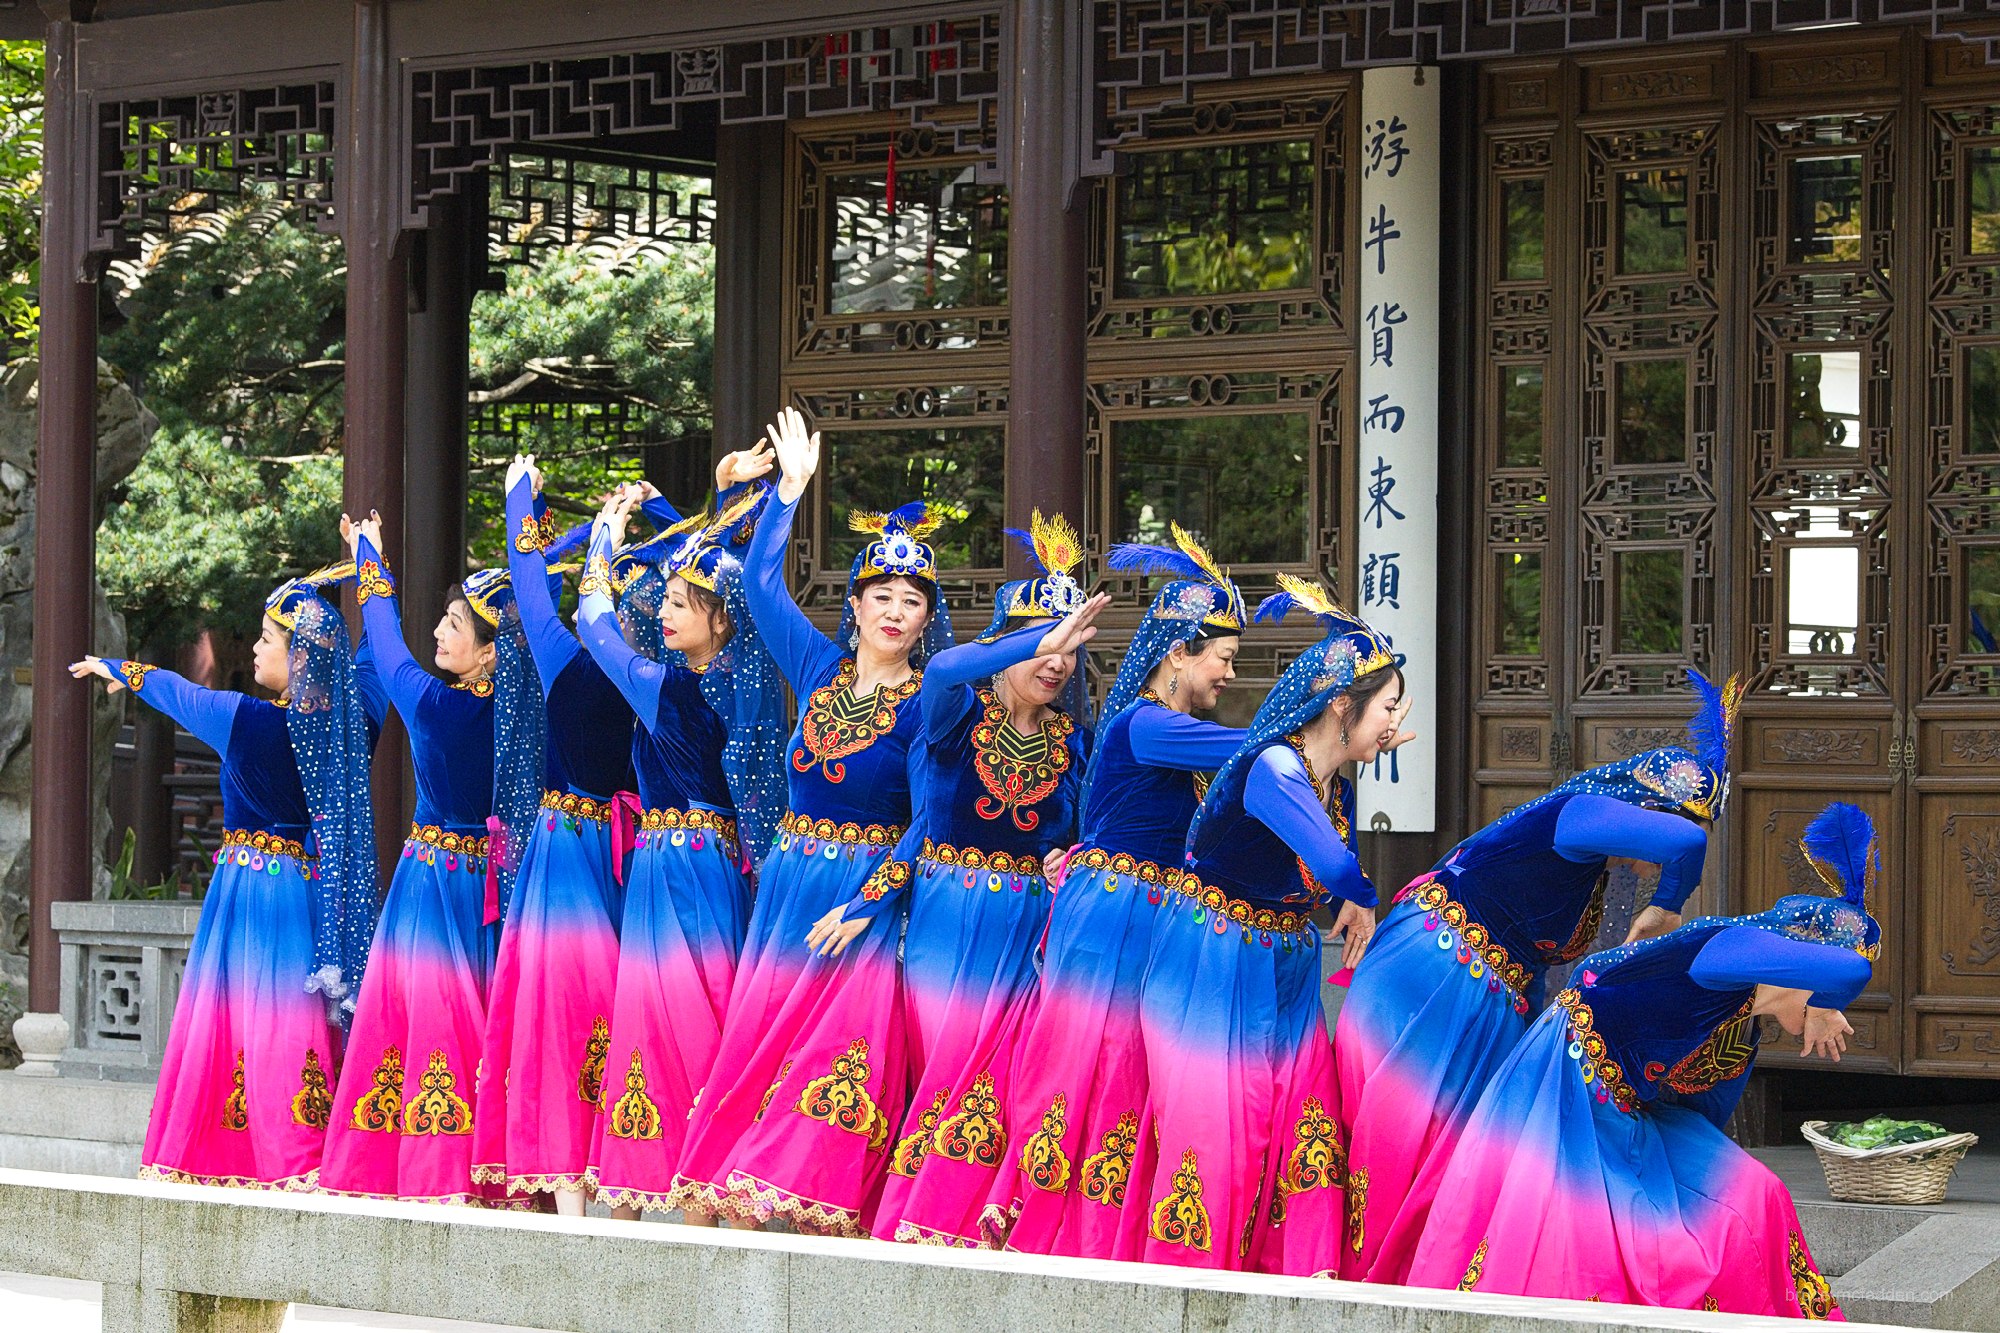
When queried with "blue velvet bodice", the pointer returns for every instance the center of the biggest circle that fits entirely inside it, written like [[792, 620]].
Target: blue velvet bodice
[[679, 757]]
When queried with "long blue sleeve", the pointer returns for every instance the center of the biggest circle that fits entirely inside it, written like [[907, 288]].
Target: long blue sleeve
[[806, 656], [638, 678], [368, 684], [660, 512], [406, 682], [1591, 826], [1749, 956], [207, 714], [1279, 793], [552, 646], [1167, 739], [947, 692]]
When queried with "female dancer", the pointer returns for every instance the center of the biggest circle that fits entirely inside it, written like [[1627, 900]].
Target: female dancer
[[243, 1094], [1078, 1065], [405, 1109], [1595, 1165], [1006, 735], [1242, 1093], [1457, 967], [713, 713], [777, 1132], [548, 1017]]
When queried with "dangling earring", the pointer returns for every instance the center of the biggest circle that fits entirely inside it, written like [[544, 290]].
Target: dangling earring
[[1174, 685], [854, 637]]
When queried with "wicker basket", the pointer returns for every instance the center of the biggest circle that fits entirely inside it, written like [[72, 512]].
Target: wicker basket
[[1904, 1173]]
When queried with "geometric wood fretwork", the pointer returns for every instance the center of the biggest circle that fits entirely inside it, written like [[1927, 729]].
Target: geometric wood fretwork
[[169, 157], [943, 76], [543, 200]]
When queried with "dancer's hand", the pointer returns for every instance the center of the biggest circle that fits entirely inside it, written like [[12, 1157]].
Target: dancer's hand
[[523, 466], [1827, 1031], [1653, 921], [617, 511], [1354, 927], [1395, 737], [1073, 630], [830, 936], [798, 453], [97, 666], [744, 465], [353, 530]]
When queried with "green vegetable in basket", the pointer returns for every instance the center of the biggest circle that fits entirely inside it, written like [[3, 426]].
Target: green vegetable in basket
[[1883, 1132]]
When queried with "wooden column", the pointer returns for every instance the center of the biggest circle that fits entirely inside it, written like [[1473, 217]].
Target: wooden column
[[1045, 272], [377, 316], [749, 235], [434, 464], [65, 540]]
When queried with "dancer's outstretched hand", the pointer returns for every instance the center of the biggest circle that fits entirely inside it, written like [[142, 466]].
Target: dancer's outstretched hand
[[1073, 630], [617, 510], [353, 530], [744, 465], [97, 666], [830, 936], [523, 466], [798, 452], [1354, 926], [1827, 1031]]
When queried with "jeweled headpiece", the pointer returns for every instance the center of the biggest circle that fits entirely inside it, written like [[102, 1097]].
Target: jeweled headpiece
[[1841, 847], [1054, 548], [691, 548], [899, 548], [285, 600], [490, 594], [1202, 590], [1352, 648]]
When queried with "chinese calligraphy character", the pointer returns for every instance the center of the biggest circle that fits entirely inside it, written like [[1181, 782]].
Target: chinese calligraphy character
[[1382, 580], [1384, 144], [1381, 230], [1383, 317], [1378, 494], [1391, 416]]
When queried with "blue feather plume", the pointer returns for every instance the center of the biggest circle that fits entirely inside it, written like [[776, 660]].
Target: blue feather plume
[[1275, 607], [1840, 842], [1709, 730], [572, 540], [1141, 558]]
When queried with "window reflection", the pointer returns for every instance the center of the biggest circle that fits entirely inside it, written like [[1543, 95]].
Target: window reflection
[[1652, 600], [1652, 235], [1826, 210], [1823, 404], [1982, 599], [1650, 403], [942, 246], [1233, 480], [1520, 416], [1214, 220], [1982, 399], [1519, 580], [1822, 600], [959, 469], [1523, 228], [1982, 203]]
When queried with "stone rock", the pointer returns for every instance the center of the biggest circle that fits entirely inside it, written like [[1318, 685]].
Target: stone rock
[[124, 433]]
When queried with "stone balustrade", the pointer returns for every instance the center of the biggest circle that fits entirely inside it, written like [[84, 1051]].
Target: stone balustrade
[[121, 973]]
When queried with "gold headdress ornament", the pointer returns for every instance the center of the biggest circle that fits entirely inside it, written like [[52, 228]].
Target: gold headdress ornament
[[282, 605], [1057, 549], [1349, 635], [702, 534]]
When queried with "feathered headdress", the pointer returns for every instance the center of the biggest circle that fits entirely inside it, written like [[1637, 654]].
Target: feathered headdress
[[490, 594], [1696, 779], [1352, 648], [285, 600], [1197, 580], [899, 547], [1841, 847], [693, 547], [1054, 548]]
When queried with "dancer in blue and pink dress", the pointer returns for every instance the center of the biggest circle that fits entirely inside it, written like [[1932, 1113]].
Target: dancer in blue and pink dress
[[1242, 1101], [1006, 737], [1078, 1062], [711, 786], [548, 1013], [406, 1104], [1454, 976], [777, 1132], [1595, 1166], [244, 1089]]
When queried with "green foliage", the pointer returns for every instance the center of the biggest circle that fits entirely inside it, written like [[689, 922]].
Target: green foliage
[[628, 325], [20, 186], [201, 533], [125, 888]]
